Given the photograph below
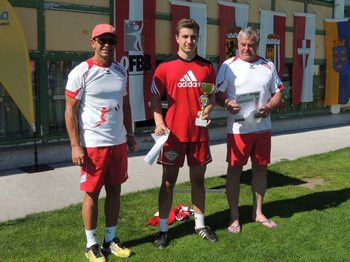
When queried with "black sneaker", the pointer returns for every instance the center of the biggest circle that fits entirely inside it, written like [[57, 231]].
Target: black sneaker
[[207, 233], [161, 240]]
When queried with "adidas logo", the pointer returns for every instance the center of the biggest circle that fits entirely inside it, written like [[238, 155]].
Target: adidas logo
[[188, 80]]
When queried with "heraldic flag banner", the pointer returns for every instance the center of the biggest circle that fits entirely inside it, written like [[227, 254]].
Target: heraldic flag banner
[[15, 66], [195, 11], [233, 17], [273, 38], [337, 62], [303, 57], [135, 25]]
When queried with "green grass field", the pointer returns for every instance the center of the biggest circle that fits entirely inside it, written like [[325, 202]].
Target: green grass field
[[309, 198]]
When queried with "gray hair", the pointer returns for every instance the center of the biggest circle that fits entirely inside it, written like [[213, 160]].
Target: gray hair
[[248, 31]]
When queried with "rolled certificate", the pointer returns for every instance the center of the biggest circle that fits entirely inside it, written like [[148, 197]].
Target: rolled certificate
[[154, 152]]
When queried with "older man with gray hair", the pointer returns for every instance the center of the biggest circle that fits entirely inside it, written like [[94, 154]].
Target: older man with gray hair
[[249, 89]]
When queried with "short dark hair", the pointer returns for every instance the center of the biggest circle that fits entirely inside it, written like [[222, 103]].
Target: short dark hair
[[187, 23]]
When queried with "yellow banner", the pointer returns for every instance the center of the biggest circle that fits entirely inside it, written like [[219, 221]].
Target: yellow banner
[[337, 61], [15, 73], [332, 77]]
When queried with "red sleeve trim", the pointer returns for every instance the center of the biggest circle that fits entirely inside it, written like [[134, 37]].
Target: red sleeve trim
[[72, 94], [281, 87]]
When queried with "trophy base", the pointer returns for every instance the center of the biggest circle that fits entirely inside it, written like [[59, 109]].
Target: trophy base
[[201, 122]]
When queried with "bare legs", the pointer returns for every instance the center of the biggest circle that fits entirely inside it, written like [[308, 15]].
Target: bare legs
[[170, 174], [258, 188], [90, 210], [232, 191], [259, 183], [197, 188], [112, 206], [165, 197]]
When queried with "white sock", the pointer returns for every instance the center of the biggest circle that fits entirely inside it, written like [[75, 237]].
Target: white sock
[[110, 233], [91, 238], [163, 224], [199, 220]]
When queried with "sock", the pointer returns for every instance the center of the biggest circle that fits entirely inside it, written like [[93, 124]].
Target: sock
[[91, 238], [163, 224], [110, 233], [199, 220]]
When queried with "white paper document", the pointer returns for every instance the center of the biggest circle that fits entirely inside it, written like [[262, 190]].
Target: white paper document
[[154, 152], [249, 104]]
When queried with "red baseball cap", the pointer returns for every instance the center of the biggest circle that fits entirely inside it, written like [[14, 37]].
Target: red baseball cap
[[101, 29]]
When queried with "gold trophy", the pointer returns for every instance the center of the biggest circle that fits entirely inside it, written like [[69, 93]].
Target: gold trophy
[[208, 89]]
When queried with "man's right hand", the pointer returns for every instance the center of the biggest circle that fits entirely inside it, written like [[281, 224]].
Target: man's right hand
[[232, 107], [78, 156], [161, 130]]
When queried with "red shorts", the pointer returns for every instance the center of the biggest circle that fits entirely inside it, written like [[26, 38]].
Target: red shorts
[[174, 152], [240, 147], [104, 165]]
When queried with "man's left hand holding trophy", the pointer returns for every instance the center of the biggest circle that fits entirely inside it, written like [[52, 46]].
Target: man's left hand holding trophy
[[203, 115]]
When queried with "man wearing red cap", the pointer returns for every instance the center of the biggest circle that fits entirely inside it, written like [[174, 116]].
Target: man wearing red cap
[[99, 125]]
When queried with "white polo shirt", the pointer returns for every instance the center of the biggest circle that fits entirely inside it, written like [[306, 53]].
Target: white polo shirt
[[237, 77]]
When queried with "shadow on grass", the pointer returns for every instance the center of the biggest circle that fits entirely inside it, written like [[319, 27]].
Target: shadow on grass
[[281, 208], [274, 179], [285, 208]]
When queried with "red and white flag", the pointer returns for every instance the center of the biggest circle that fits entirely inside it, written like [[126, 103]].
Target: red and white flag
[[135, 25], [233, 17], [273, 38], [195, 11], [303, 57]]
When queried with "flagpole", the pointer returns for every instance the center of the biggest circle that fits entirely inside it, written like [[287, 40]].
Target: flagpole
[[36, 166]]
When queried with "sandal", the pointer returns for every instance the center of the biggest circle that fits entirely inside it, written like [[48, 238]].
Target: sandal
[[234, 229], [268, 223]]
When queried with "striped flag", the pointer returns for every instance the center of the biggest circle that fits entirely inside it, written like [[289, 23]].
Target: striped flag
[[233, 17], [273, 38], [195, 11], [337, 61], [303, 57], [135, 24]]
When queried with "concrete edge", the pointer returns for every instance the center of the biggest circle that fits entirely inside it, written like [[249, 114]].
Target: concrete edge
[[52, 153]]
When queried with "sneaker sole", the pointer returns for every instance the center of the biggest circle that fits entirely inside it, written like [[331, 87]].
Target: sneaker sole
[[89, 258], [211, 241], [160, 246], [121, 255], [109, 252], [205, 238]]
